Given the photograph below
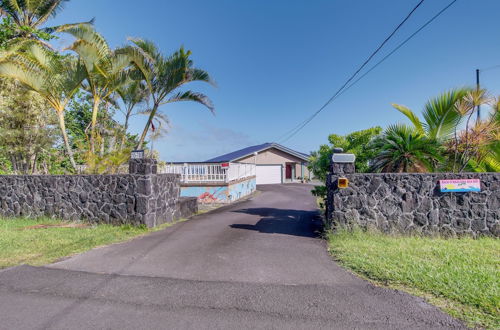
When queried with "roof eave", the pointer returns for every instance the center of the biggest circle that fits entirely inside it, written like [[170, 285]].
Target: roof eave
[[276, 146]]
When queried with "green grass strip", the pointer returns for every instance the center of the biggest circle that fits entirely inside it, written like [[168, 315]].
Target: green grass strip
[[462, 276], [20, 243]]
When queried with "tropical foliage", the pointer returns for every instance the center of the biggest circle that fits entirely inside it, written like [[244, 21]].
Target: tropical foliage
[[54, 78], [105, 69], [27, 134], [440, 115], [449, 137], [24, 19], [402, 148], [356, 142], [465, 142], [80, 91], [164, 76]]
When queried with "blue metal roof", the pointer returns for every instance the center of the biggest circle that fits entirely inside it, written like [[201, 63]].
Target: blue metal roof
[[235, 155]]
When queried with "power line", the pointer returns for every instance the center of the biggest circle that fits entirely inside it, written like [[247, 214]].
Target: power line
[[343, 90], [490, 68], [363, 65], [399, 46]]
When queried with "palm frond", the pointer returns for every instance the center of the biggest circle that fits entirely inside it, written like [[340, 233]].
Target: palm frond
[[411, 116], [13, 46], [147, 47], [401, 148], [47, 9], [27, 76], [11, 9], [60, 28], [440, 114], [195, 74], [87, 34], [192, 96]]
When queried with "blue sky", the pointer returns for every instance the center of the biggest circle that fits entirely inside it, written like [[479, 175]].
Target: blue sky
[[276, 62]]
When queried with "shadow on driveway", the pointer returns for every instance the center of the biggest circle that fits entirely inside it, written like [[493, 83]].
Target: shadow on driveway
[[282, 221]]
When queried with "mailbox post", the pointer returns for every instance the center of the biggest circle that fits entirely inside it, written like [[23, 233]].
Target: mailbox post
[[342, 164]]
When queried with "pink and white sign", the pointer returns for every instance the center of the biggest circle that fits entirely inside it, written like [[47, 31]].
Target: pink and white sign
[[460, 185]]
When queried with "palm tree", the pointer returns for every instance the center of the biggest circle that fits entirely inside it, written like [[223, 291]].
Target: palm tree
[[159, 130], [11, 48], [402, 148], [477, 147], [165, 75], [106, 69], [54, 78], [440, 115], [473, 136], [29, 16], [132, 94]]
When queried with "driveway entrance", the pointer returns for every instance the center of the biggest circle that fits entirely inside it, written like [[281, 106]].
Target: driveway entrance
[[254, 264]]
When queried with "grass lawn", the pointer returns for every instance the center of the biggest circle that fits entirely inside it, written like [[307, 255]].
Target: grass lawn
[[461, 276], [42, 241]]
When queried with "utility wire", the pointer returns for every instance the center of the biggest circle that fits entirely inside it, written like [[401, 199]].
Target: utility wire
[[490, 68], [342, 91], [362, 66], [401, 45]]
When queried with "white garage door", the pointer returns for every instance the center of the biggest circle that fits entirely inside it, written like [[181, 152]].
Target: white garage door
[[268, 174]]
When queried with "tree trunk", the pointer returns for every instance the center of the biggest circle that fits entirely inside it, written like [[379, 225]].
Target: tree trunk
[[125, 126], [148, 125], [13, 163], [103, 145], [45, 167], [33, 169], [95, 110], [455, 157], [62, 126], [111, 143], [466, 150]]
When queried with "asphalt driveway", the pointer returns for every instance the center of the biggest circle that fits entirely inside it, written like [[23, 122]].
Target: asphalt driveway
[[255, 264]]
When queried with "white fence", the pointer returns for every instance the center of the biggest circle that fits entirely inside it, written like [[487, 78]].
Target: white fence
[[226, 172]]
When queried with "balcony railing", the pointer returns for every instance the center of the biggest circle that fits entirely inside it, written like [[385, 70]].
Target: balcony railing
[[219, 173]]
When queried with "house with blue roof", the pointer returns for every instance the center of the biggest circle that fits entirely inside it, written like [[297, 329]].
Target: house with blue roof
[[275, 163]]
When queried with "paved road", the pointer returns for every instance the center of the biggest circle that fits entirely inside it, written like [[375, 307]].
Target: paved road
[[255, 264]]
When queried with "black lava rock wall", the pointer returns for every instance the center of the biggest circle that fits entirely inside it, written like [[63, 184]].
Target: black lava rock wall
[[141, 198], [413, 203]]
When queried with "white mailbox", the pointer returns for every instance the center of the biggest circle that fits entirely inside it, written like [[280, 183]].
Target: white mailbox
[[343, 158]]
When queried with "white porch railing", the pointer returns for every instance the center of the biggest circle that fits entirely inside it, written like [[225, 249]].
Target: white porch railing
[[237, 171], [224, 173]]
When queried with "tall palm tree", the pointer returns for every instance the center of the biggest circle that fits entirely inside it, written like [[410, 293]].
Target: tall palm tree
[[106, 69], [54, 78], [440, 115], [402, 148], [30, 16], [132, 94], [164, 77]]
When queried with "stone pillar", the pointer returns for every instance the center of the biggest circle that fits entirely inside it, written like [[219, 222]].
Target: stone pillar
[[145, 203], [143, 166], [340, 165]]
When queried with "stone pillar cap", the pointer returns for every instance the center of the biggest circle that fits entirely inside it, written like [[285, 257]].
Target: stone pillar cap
[[343, 158]]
